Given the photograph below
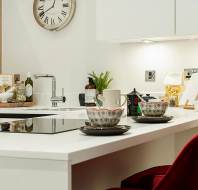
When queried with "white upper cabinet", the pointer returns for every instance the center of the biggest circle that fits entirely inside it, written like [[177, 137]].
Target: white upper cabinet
[[126, 20], [186, 17]]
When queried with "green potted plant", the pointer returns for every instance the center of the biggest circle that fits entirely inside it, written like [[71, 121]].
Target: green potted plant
[[101, 81]]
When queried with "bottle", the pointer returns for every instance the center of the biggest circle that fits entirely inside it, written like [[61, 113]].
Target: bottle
[[90, 93], [20, 91], [29, 88]]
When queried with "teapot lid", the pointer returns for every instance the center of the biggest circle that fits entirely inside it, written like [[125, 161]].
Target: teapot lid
[[134, 92]]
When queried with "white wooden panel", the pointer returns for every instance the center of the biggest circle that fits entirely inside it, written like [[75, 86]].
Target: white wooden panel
[[187, 17], [123, 20], [32, 174]]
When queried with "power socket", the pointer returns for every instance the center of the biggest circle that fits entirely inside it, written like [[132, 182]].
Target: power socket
[[189, 72], [150, 76]]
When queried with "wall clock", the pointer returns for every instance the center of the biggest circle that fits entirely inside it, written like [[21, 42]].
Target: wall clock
[[54, 14]]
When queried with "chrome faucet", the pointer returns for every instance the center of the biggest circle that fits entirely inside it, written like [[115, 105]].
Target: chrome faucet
[[54, 99]]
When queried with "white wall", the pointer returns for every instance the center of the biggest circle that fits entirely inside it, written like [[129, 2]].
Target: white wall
[[73, 52]]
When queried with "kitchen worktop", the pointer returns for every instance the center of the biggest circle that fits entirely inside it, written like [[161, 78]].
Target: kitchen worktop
[[41, 110], [77, 147]]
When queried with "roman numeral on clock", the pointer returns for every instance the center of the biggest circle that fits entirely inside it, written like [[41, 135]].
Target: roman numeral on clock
[[46, 20], [63, 13], [60, 20], [41, 14], [41, 8], [52, 21], [66, 5]]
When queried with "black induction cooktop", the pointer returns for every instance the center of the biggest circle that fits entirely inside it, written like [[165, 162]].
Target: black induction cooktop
[[41, 125]]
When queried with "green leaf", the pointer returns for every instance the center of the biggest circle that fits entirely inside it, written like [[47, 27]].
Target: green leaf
[[101, 81]]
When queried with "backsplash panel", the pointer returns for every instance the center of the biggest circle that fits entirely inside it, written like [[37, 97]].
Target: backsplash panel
[[73, 52]]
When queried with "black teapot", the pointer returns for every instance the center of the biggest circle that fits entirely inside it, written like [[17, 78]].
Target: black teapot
[[133, 98]]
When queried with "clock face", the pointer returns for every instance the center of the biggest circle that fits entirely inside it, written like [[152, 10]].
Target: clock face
[[53, 14]]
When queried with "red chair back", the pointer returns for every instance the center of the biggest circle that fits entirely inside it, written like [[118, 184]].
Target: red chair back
[[183, 174]]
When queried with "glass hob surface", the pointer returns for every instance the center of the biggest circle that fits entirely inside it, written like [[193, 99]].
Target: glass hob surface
[[41, 126]]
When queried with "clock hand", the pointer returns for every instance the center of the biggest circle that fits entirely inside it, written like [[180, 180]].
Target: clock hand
[[50, 7], [54, 3]]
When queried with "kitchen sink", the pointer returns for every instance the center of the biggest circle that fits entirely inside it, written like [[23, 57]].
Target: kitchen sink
[[21, 116]]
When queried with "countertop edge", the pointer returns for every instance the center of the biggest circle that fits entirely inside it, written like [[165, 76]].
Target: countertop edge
[[87, 154]]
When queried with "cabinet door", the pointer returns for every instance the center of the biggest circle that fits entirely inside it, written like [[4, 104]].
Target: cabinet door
[[186, 17], [125, 20]]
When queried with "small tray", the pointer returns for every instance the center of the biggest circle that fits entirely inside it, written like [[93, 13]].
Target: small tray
[[145, 119], [105, 131]]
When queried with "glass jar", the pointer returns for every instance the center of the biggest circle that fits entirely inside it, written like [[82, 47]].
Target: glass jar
[[20, 91], [173, 93]]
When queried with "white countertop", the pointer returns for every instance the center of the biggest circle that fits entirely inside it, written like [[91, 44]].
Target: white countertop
[[77, 147]]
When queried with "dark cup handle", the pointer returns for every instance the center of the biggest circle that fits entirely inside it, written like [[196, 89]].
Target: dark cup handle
[[82, 99]]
